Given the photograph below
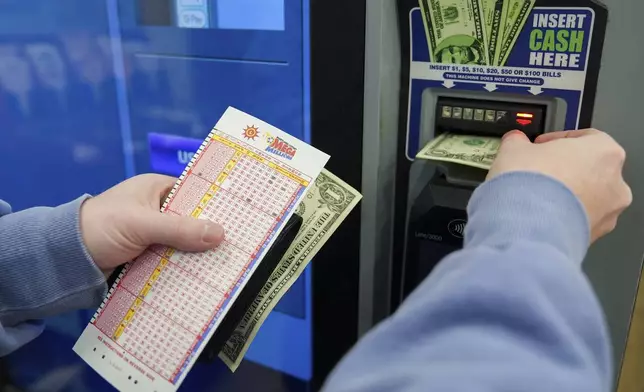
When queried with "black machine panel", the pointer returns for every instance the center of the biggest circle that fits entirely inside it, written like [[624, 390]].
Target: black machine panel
[[430, 238]]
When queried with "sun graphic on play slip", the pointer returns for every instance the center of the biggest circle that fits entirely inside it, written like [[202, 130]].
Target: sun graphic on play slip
[[251, 132]]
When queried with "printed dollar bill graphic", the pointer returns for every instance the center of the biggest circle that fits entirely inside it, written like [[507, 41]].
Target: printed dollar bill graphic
[[455, 31], [323, 209], [517, 15], [481, 32], [496, 12], [475, 151]]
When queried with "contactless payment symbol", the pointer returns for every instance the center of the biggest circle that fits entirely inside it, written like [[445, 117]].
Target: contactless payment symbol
[[251, 132], [457, 228]]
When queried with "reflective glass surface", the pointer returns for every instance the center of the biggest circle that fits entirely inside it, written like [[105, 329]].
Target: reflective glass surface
[[95, 91]]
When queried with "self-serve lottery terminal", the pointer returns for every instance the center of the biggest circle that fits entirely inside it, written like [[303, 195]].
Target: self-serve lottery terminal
[[526, 65]]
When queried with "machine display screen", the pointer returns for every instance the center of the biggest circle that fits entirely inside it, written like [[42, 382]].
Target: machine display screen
[[94, 92], [216, 14]]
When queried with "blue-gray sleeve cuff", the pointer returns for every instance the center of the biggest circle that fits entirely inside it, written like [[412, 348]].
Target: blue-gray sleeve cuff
[[528, 206], [48, 270], [76, 268]]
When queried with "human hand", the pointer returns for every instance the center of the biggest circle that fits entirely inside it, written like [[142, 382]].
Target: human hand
[[589, 162], [119, 224]]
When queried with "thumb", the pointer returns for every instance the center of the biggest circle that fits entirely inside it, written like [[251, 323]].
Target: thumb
[[181, 232], [514, 138]]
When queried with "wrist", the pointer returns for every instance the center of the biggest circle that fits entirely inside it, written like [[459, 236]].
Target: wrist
[[74, 268], [527, 206], [82, 232], [87, 234]]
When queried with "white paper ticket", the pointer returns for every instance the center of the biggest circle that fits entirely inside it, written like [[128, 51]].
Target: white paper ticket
[[248, 176]]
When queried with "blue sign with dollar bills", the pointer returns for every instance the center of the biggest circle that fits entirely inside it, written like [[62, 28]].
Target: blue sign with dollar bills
[[502, 46]]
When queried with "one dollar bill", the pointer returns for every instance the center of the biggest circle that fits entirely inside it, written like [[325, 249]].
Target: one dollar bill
[[475, 151], [323, 209], [456, 31], [517, 15]]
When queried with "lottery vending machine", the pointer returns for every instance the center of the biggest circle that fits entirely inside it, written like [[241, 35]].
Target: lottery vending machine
[[483, 68]]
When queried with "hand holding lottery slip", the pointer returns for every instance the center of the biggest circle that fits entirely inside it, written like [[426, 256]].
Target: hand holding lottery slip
[[250, 177]]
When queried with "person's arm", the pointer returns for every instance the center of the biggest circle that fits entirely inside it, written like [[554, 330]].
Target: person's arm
[[45, 270], [512, 311]]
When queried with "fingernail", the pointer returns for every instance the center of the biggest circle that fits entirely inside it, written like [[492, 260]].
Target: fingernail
[[212, 234]]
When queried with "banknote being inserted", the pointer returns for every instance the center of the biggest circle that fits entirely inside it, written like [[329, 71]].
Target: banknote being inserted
[[325, 206], [474, 151], [456, 31]]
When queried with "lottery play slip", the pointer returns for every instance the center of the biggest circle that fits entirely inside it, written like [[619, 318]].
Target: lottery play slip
[[248, 176]]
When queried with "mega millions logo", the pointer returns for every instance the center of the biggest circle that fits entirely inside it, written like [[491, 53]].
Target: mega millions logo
[[279, 147]]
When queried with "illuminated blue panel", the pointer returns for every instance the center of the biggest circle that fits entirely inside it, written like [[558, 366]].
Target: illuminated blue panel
[[94, 96], [250, 14], [260, 71], [230, 14]]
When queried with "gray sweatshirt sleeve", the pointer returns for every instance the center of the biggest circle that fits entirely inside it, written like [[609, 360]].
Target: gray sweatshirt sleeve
[[45, 270]]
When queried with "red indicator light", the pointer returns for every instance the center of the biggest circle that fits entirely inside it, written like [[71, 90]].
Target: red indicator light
[[525, 115], [524, 122]]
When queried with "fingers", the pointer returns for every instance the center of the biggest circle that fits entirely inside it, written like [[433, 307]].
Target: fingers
[[548, 137], [514, 138], [162, 186], [184, 233], [513, 135], [152, 189], [624, 199], [628, 196]]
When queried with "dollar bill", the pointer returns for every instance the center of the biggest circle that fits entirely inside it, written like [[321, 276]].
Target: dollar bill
[[517, 15], [323, 209], [496, 13], [455, 31], [475, 151]]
